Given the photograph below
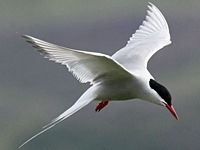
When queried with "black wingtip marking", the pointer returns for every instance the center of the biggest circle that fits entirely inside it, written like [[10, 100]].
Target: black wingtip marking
[[29, 40]]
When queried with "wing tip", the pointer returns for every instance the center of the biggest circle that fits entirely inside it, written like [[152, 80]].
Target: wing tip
[[150, 4], [24, 35], [154, 21]]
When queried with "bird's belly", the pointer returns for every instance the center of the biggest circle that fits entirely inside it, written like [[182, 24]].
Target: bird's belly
[[116, 91]]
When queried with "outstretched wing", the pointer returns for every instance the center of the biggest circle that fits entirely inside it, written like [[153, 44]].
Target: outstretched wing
[[151, 36], [85, 66]]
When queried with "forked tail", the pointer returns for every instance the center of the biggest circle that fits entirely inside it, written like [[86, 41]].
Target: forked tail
[[85, 99]]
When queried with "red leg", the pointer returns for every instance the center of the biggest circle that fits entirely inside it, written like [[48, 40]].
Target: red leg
[[101, 105]]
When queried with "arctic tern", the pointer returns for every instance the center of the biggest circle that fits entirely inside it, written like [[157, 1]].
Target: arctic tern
[[122, 76]]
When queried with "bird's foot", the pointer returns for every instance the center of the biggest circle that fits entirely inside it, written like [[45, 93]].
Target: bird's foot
[[101, 105]]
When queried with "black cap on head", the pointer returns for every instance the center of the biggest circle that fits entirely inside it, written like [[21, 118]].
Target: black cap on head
[[161, 90]]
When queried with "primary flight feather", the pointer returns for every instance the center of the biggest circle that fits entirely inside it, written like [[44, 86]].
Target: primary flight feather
[[123, 76]]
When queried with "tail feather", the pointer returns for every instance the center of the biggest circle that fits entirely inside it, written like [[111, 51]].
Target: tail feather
[[80, 103], [76, 107]]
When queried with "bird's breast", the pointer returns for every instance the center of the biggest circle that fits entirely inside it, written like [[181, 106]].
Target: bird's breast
[[114, 91]]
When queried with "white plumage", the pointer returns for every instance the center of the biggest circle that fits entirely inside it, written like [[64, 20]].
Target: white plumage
[[123, 76], [151, 36], [85, 66]]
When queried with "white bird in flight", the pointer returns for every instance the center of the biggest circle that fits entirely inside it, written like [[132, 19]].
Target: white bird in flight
[[122, 76]]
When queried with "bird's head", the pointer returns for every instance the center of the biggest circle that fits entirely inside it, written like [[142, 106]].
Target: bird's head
[[165, 96]]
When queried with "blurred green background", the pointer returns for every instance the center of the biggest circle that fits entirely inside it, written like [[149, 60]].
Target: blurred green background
[[33, 90]]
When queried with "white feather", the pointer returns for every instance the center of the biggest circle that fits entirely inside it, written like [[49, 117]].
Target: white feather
[[85, 99], [120, 77], [86, 66], [151, 36]]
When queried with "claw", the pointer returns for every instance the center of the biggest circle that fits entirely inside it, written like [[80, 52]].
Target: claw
[[101, 105]]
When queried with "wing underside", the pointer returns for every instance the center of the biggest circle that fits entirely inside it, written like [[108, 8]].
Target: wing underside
[[151, 36], [85, 66]]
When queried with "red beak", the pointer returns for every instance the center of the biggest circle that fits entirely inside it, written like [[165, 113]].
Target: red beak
[[171, 109]]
